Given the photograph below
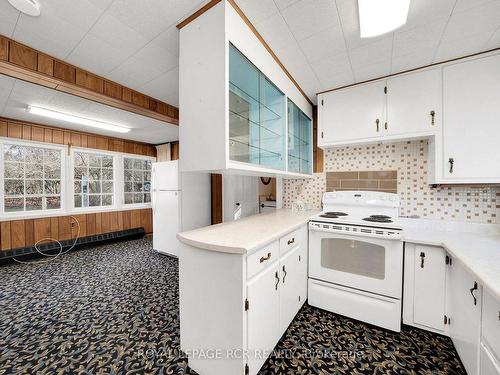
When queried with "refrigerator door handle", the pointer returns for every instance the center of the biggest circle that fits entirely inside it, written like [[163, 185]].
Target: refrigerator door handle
[[153, 200]]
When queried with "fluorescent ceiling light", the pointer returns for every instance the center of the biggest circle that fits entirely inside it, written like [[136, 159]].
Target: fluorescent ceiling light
[[377, 17], [76, 119]]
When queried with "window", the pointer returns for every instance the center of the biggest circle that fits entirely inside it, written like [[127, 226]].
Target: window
[[32, 178], [93, 179], [137, 180]]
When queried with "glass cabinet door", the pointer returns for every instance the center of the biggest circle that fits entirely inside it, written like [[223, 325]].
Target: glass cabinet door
[[299, 140], [256, 115]]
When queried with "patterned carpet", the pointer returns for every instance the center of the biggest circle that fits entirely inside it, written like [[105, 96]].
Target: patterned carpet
[[113, 309]]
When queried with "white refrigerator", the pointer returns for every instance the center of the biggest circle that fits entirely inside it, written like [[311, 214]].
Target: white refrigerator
[[180, 202]]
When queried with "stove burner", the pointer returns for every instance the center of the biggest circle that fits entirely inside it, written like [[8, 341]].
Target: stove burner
[[335, 213], [378, 219]]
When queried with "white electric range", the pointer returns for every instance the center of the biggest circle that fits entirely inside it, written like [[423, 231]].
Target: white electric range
[[356, 257]]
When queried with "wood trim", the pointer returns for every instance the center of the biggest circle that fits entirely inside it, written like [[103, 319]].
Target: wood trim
[[198, 13], [317, 152], [174, 150], [22, 233], [25, 63], [266, 46], [252, 28], [216, 185], [410, 70], [42, 133]]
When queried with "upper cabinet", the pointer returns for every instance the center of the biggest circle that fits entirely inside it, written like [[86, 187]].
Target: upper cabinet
[[406, 106], [240, 112], [471, 125]]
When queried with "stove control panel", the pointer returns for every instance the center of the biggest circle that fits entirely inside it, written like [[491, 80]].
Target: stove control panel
[[364, 231]]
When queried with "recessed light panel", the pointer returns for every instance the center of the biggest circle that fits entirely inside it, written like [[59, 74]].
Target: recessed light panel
[[28, 7], [377, 17]]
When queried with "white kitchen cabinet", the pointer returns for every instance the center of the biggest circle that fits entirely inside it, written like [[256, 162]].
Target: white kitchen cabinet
[[293, 289], [424, 302], [240, 303], [233, 97], [464, 305], [414, 103], [351, 115], [488, 364], [263, 318], [471, 126], [490, 335]]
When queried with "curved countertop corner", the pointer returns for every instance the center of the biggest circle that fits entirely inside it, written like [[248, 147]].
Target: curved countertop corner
[[248, 234]]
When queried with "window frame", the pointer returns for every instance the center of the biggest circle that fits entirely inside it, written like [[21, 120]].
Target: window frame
[[35, 213], [139, 157]]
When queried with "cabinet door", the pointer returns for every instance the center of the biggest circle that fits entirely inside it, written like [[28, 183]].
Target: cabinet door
[[465, 315], [263, 326], [414, 103], [293, 270], [354, 114], [429, 296], [471, 127], [489, 365]]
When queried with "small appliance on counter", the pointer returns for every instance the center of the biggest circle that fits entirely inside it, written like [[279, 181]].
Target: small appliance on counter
[[356, 257], [180, 202]]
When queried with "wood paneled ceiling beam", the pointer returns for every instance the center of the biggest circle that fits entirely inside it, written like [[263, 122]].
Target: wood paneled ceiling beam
[[27, 64]]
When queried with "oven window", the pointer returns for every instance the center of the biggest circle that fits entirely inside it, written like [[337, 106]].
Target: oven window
[[355, 257]]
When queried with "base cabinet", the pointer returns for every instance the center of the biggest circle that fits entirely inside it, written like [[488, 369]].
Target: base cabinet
[[464, 304]]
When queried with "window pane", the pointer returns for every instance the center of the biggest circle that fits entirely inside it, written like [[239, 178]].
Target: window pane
[[34, 170], [128, 175], [94, 187], [14, 170], [128, 187], [53, 203], [33, 155], [81, 159], [14, 204], [14, 187], [137, 186], [52, 187], [107, 187], [94, 161], [138, 198], [137, 180], [94, 200], [147, 186], [107, 200], [77, 187], [34, 187], [13, 153], [33, 203], [107, 173], [52, 157], [129, 198], [78, 201], [128, 163], [95, 174], [107, 162], [147, 197], [52, 171]]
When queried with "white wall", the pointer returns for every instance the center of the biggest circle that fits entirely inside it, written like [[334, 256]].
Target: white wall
[[243, 190]]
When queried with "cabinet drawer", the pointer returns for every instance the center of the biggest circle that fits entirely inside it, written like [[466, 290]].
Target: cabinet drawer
[[259, 260], [290, 241], [488, 364], [491, 323]]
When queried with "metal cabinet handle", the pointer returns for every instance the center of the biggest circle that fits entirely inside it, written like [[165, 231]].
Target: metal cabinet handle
[[267, 257], [291, 241], [422, 258], [472, 292], [377, 121], [385, 125], [277, 280], [433, 116], [452, 162], [285, 273]]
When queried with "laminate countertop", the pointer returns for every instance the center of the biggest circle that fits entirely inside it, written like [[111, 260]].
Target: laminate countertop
[[248, 234]]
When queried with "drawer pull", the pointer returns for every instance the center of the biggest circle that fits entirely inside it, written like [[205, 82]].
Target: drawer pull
[[277, 280], [472, 292], [285, 273], [291, 241], [267, 257]]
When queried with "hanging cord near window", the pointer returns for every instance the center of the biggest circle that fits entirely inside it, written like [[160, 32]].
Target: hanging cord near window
[[52, 257]]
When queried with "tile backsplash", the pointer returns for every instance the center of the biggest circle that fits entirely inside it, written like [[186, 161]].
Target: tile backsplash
[[409, 160]]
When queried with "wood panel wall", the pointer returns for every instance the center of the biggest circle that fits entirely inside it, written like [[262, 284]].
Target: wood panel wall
[[174, 150], [216, 198], [37, 67], [42, 133], [317, 152], [24, 233]]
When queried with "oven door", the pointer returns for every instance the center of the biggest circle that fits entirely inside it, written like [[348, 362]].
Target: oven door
[[370, 264]]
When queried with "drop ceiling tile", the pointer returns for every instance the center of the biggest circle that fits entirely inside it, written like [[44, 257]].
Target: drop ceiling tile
[[380, 50], [478, 20], [325, 43], [462, 47], [159, 58], [257, 10], [296, 63], [412, 60], [422, 38], [164, 87], [334, 71], [110, 56], [307, 17], [426, 11], [49, 34], [8, 18], [468, 4], [275, 32], [118, 35], [152, 17], [282, 4], [494, 41], [6, 85], [169, 39], [371, 71], [101, 4]]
